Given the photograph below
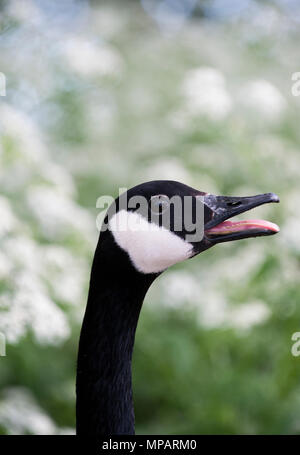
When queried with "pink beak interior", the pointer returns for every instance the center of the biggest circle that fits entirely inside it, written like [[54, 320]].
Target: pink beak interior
[[227, 227]]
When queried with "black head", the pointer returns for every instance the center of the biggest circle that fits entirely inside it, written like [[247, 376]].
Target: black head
[[162, 222]]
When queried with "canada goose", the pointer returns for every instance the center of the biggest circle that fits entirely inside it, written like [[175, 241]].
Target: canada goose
[[132, 251]]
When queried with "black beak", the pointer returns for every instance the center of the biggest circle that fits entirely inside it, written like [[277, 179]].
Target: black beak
[[221, 208]]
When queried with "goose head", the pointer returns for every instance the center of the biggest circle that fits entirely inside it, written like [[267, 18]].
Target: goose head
[[163, 222]]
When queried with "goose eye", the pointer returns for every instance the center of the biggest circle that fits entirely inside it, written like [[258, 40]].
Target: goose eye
[[159, 204]]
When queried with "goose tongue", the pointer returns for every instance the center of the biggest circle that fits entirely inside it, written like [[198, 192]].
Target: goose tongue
[[228, 227]]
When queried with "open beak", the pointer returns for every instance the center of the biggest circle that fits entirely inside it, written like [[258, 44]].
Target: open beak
[[219, 229]]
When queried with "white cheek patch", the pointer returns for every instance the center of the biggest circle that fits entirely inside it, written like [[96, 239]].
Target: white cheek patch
[[150, 247]]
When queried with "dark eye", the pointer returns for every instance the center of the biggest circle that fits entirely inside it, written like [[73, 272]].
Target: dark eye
[[159, 204]]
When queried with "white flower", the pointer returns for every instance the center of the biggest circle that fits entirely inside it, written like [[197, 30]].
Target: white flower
[[23, 252], [24, 133], [263, 98], [8, 220], [29, 307], [89, 59], [57, 214], [248, 315], [20, 414], [206, 94], [183, 290], [48, 322], [65, 273], [58, 176], [179, 288], [212, 309]]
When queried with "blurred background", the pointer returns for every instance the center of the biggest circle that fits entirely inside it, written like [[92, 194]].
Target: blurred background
[[102, 95]]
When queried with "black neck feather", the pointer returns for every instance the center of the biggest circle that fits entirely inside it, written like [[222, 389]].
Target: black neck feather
[[104, 392]]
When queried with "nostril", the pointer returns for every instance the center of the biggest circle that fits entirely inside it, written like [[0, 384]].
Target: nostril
[[234, 203]]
